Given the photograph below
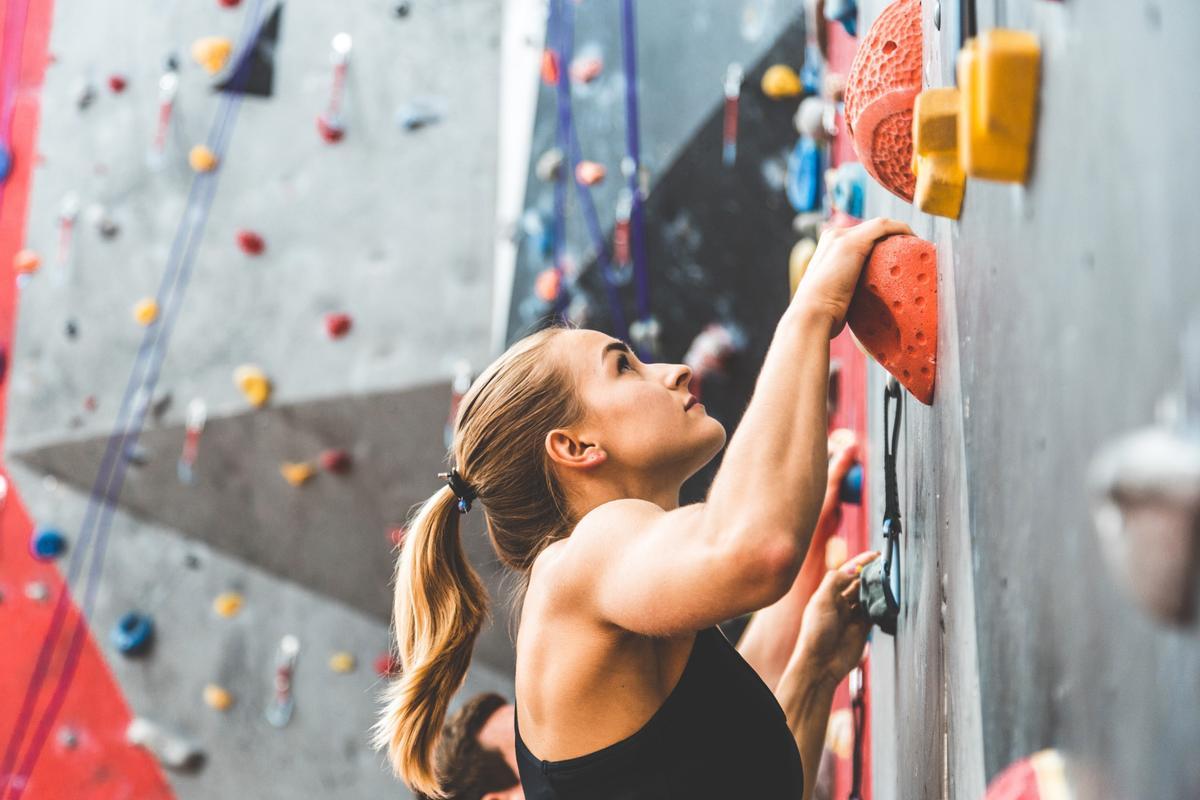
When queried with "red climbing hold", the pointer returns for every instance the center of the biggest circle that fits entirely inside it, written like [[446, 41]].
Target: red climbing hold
[[335, 461], [396, 536], [549, 67], [337, 325], [880, 91], [230, 3], [250, 242], [117, 83], [894, 311], [386, 665]]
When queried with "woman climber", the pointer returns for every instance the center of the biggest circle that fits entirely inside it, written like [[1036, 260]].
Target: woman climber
[[625, 688]]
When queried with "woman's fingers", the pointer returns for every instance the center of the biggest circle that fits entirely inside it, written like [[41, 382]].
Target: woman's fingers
[[854, 565]]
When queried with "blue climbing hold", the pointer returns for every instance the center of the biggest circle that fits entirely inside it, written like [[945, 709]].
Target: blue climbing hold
[[814, 66], [132, 633], [849, 188], [804, 175], [47, 543], [845, 12], [851, 488], [5, 162]]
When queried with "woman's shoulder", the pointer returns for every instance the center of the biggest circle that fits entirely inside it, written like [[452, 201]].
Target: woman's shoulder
[[566, 566]]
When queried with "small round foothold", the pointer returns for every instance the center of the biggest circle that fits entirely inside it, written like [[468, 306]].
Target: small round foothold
[[72, 329], [37, 591], [250, 242], [254, 384], [26, 262], [117, 83], [67, 738], [549, 165], [211, 52], [133, 633], [229, 3], [780, 82], [47, 544], [202, 159], [386, 665], [297, 472], [336, 460], [402, 9], [589, 173], [548, 284], [337, 325], [228, 604], [851, 489], [145, 311], [342, 662], [217, 697], [5, 162]]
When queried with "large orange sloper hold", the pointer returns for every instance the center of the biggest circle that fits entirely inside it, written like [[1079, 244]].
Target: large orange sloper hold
[[883, 83], [894, 311]]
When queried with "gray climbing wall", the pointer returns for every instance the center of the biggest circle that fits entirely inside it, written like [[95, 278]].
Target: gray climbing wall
[[393, 227], [1062, 311]]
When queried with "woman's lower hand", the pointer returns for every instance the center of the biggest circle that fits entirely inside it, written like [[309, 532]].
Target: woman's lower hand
[[833, 631]]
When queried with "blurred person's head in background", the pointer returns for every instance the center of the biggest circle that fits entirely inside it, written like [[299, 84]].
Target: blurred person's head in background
[[476, 752]]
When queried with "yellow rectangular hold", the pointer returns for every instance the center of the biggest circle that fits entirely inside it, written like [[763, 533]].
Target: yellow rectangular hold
[[940, 179], [935, 121], [940, 185], [998, 82]]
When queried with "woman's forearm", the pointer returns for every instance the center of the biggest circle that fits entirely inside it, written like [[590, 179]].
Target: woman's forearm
[[806, 696]]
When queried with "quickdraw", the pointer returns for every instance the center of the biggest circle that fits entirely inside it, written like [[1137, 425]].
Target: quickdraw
[[879, 591]]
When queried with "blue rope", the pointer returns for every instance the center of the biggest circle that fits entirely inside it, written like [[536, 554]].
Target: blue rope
[[107, 488]]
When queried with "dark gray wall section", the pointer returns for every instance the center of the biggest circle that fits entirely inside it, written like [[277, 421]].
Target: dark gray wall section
[[1062, 310]]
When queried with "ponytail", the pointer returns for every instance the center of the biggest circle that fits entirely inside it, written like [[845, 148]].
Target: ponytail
[[440, 606]]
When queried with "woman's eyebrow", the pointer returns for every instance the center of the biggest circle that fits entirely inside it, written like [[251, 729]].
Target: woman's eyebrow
[[613, 346]]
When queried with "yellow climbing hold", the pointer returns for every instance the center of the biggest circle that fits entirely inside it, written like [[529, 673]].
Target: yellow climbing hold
[[145, 311], [202, 159], [802, 253], [342, 661], [780, 82], [296, 473], [998, 78], [211, 52], [228, 603], [26, 262], [254, 384], [217, 697], [940, 179]]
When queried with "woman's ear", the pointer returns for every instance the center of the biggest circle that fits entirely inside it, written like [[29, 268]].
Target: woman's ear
[[569, 451]]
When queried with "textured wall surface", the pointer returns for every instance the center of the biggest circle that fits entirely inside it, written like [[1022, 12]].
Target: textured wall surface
[[1063, 306]]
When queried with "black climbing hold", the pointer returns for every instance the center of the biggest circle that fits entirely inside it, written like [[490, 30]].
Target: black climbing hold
[[402, 9]]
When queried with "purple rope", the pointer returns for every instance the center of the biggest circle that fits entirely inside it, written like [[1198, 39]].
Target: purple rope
[[111, 476], [562, 22], [636, 214]]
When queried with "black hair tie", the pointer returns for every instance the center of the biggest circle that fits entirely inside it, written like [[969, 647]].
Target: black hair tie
[[461, 488]]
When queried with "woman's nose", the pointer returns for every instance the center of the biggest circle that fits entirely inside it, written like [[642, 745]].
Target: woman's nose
[[681, 375]]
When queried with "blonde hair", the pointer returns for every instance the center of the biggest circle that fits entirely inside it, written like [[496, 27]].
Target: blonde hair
[[440, 601]]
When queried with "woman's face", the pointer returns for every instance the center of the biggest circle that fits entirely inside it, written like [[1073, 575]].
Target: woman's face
[[637, 412]]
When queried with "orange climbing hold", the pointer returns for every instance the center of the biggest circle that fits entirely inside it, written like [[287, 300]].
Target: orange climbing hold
[[883, 83], [894, 311], [589, 173]]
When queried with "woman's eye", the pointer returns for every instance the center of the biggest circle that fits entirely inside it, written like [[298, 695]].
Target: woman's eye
[[622, 360]]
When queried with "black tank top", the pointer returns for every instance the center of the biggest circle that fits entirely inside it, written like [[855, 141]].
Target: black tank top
[[719, 734]]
